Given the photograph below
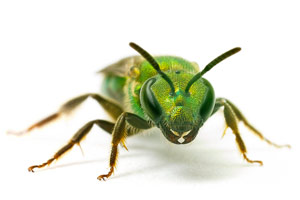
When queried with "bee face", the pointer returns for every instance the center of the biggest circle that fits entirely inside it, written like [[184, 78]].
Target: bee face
[[179, 116]]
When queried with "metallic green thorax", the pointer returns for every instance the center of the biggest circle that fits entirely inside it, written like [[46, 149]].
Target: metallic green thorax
[[180, 111]]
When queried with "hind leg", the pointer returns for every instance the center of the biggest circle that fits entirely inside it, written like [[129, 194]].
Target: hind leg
[[113, 109], [241, 117]]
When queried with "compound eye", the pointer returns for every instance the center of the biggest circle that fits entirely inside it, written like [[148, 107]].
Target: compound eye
[[208, 103], [149, 102]]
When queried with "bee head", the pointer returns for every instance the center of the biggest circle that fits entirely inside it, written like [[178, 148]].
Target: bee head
[[178, 115], [178, 112]]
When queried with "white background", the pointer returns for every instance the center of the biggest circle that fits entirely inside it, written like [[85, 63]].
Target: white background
[[50, 51]]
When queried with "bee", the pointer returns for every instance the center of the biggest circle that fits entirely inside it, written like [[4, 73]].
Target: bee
[[142, 92]]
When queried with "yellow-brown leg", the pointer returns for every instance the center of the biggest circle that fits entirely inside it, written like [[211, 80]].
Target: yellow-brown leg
[[78, 136], [119, 133], [241, 118], [232, 122], [243, 149], [118, 136], [113, 109]]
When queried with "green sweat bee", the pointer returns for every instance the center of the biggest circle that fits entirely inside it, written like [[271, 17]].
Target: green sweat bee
[[164, 91]]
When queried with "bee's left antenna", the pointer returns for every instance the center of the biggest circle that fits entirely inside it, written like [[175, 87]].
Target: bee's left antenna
[[154, 64], [211, 65]]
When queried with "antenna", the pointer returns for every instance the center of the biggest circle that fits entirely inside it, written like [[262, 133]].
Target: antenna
[[154, 64], [211, 65]]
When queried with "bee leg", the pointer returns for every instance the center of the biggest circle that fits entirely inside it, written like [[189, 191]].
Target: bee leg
[[232, 122], [113, 109], [119, 135], [241, 117], [217, 106], [40, 123], [78, 136]]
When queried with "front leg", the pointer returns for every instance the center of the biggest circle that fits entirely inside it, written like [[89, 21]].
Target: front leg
[[119, 134]]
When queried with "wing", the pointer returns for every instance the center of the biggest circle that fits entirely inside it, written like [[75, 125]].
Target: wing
[[122, 67]]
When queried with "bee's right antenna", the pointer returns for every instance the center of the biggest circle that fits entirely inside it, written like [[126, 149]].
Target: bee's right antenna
[[211, 65], [154, 64]]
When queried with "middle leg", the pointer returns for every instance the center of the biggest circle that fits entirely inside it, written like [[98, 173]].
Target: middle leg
[[76, 139]]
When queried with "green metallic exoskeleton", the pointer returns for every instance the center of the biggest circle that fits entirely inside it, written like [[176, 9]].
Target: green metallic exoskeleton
[[144, 91]]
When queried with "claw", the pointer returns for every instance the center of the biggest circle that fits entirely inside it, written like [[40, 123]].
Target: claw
[[105, 176], [30, 169], [102, 178], [252, 161]]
